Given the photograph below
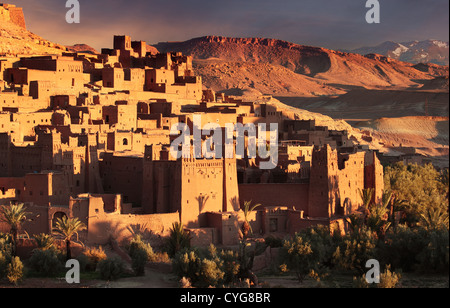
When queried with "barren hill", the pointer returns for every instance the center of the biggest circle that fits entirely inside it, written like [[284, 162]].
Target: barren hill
[[428, 135], [83, 48], [16, 40], [374, 104], [333, 69]]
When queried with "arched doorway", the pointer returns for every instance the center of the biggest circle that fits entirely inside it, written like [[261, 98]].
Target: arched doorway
[[56, 216]]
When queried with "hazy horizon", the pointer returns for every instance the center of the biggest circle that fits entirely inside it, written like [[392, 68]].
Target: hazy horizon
[[329, 24]]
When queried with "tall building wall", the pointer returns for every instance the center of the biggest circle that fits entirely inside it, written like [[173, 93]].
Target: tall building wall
[[336, 180]]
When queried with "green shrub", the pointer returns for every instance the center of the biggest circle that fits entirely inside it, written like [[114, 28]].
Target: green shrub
[[297, 255], [229, 264], [186, 264], [4, 261], [111, 268], [14, 271], [138, 261], [94, 256], [354, 251], [416, 250], [210, 274], [388, 279], [45, 262], [435, 255], [84, 262], [201, 271], [273, 242], [137, 245]]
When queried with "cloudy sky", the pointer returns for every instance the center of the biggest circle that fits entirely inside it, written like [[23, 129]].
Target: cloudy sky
[[335, 24]]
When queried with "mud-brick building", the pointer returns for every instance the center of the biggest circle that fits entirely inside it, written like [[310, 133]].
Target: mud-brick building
[[192, 187], [331, 194]]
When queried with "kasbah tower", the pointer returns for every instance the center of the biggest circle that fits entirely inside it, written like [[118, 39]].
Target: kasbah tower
[[88, 136]]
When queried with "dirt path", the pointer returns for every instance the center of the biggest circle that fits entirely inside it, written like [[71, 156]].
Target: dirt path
[[152, 279]]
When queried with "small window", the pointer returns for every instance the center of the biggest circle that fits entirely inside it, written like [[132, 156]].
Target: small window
[[273, 224]]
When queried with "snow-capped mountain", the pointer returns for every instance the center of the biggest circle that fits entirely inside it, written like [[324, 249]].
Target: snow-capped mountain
[[429, 51]]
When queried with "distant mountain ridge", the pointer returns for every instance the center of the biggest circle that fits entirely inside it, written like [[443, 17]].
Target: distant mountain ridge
[[282, 68], [83, 48], [428, 51]]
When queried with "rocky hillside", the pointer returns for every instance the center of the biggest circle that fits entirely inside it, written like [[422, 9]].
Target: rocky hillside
[[15, 40], [285, 69], [82, 48]]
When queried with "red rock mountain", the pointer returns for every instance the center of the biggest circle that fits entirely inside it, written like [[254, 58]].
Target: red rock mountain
[[323, 71]]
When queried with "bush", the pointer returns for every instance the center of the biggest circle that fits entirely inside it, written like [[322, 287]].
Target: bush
[[435, 255], [137, 245], [138, 261], [111, 268], [355, 250], [199, 270], [84, 262], [388, 279], [5, 253], [297, 255], [210, 273], [416, 249], [94, 256], [273, 242], [186, 264], [229, 264], [14, 272], [5, 259], [45, 262]]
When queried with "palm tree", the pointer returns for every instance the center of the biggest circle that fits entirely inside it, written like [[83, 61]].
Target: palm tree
[[397, 205], [13, 215], [246, 228], [434, 218], [44, 241], [68, 227], [378, 217], [367, 197], [178, 239]]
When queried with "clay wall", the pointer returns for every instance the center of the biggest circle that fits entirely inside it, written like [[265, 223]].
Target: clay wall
[[287, 194], [103, 225], [113, 77], [123, 175], [45, 189], [122, 42], [154, 78], [202, 189], [123, 117], [161, 192], [323, 182]]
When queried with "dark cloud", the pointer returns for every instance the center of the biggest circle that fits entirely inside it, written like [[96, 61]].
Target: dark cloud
[[331, 23]]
